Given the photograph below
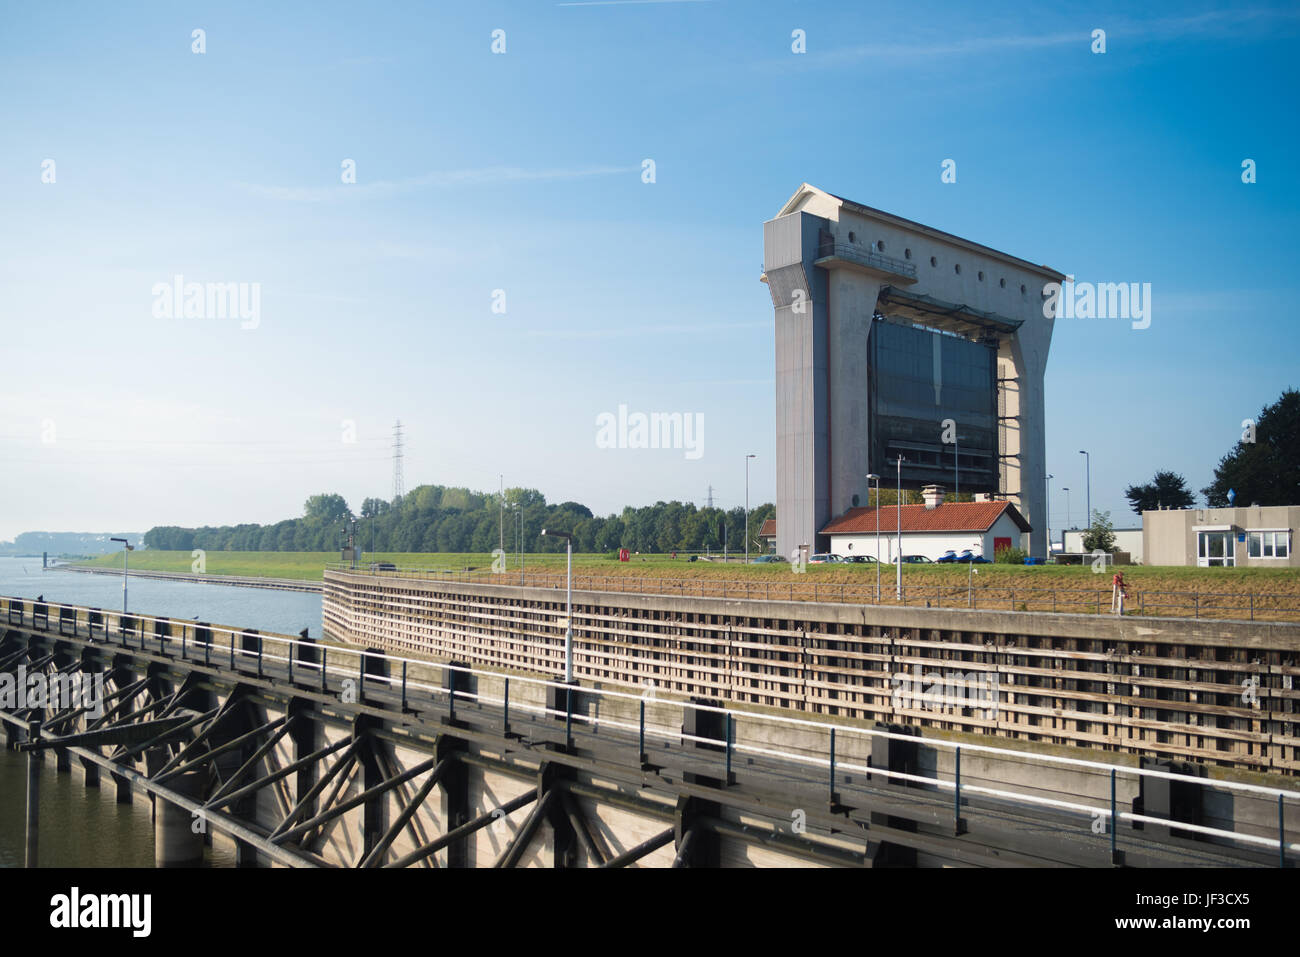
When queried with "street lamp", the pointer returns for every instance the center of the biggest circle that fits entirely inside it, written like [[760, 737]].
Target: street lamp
[[747, 458], [568, 623], [898, 559], [517, 513], [1047, 512], [970, 576], [956, 469], [125, 548], [1067, 515], [1088, 463], [873, 477]]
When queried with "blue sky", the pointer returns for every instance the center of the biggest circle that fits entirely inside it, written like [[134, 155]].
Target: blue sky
[[522, 172]]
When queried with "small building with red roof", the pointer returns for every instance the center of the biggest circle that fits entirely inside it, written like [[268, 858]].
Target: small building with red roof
[[930, 529]]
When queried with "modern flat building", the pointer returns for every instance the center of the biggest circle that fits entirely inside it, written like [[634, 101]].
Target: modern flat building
[[931, 529], [896, 340], [1126, 540], [1255, 536]]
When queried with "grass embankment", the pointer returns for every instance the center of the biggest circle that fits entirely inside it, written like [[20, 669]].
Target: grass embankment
[[308, 565], [1259, 593]]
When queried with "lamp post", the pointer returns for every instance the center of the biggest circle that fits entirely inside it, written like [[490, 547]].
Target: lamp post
[[1067, 515], [898, 559], [747, 458], [956, 469], [873, 477], [1087, 459], [516, 519], [1047, 512], [125, 548], [568, 622], [970, 576]]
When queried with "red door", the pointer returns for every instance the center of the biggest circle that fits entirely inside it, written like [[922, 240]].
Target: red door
[[1000, 543]]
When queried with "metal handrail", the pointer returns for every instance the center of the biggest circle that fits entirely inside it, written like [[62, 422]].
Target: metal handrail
[[733, 715], [854, 253]]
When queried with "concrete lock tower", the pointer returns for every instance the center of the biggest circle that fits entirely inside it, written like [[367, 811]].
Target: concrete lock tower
[[893, 338]]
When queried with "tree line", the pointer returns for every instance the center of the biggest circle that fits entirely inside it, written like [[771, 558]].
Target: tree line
[[436, 518], [1263, 468]]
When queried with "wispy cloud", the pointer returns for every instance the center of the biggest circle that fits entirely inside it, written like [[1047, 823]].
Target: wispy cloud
[[1213, 22], [616, 332], [439, 179]]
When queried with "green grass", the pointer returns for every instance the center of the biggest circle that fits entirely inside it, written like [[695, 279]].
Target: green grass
[[308, 565]]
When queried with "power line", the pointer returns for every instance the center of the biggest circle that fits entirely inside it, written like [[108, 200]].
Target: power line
[[398, 489]]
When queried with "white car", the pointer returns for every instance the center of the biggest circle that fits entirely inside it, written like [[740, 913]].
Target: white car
[[822, 558]]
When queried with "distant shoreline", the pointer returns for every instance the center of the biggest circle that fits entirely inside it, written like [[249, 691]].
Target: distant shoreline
[[241, 581]]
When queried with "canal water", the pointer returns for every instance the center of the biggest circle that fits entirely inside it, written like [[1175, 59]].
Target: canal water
[[86, 827]]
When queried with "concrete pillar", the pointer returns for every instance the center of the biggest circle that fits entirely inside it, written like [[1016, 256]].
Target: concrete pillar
[[374, 819], [33, 815], [177, 842], [307, 737], [455, 790]]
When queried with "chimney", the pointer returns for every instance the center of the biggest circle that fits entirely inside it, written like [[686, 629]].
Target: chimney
[[933, 495]]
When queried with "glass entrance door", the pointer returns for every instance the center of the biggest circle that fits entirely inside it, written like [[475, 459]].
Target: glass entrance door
[[1215, 549]]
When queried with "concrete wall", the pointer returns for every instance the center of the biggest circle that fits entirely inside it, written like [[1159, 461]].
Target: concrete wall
[[1152, 686]]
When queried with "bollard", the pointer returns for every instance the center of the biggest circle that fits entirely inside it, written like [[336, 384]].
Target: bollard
[[899, 755], [1174, 800], [374, 664], [711, 726]]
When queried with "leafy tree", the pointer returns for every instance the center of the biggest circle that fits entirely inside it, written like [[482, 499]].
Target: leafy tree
[[328, 508], [1267, 470], [435, 518], [1100, 534], [1165, 490], [374, 507]]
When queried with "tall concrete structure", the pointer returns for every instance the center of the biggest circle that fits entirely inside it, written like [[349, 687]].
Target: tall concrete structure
[[893, 338]]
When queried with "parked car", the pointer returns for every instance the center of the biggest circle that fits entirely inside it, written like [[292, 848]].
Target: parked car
[[822, 558], [917, 560], [768, 559], [383, 567], [861, 559]]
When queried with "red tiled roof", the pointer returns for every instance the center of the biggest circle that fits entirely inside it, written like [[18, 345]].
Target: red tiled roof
[[768, 530], [949, 517]]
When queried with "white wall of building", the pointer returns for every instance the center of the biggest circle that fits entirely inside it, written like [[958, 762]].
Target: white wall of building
[[930, 544], [1126, 540]]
